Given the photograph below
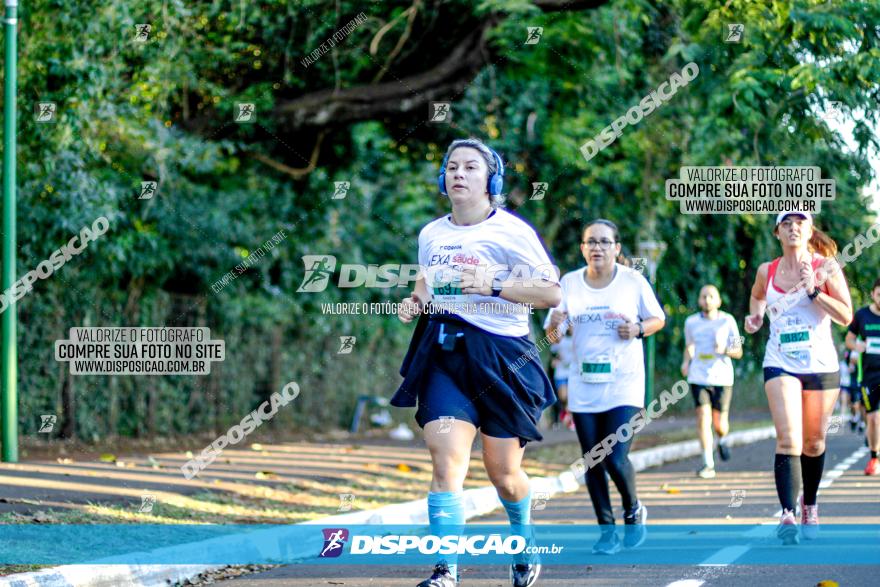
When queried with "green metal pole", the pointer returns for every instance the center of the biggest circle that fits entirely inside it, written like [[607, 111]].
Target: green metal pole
[[649, 371], [650, 349], [9, 404]]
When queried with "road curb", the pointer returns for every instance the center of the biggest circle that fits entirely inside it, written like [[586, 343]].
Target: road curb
[[477, 502]]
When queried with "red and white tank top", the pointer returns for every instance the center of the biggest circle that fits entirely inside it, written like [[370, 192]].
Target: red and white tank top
[[800, 331]]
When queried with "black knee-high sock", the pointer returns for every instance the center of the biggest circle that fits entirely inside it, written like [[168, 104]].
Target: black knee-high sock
[[812, 468], [788, 479]]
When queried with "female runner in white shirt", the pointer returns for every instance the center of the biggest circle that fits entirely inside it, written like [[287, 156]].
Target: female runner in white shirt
[[801, 373]]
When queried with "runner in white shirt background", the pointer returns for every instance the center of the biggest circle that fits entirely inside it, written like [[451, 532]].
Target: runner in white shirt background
[[610, 308], [711, 341], [563, 356]]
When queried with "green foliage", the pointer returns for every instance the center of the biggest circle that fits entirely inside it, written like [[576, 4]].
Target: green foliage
[[163, 110]]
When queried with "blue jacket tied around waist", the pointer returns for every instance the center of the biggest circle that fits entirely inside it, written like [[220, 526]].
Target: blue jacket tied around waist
[[492, 379]]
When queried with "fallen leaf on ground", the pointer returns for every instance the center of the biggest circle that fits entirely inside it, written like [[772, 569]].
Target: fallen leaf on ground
[[107, 458], [266, 475], [404, 467]]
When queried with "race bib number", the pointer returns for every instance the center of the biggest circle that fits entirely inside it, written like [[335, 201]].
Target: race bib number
[[446, 287], [794, 338], [597, 369], [872, 345]]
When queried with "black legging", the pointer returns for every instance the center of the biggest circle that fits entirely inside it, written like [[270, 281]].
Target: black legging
[[591, 429]]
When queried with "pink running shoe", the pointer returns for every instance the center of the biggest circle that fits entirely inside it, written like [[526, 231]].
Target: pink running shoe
[[809, 520], [787, 529]]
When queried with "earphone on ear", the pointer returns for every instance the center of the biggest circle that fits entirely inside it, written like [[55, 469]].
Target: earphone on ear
[[496, 180]]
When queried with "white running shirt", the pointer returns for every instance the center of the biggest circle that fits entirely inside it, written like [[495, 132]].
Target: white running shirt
[[800, 338], [607, 371], [708, 367], [504, 241]]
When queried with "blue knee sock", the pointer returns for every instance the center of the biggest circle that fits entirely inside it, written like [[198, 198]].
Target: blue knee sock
[[446, 517], [519, 514]]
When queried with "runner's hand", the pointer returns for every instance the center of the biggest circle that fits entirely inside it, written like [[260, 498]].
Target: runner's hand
[[557, 317], [808, 278], [409, 308], [861, 345], [685, 366], [753, 323], [475, 280], [627, 330]]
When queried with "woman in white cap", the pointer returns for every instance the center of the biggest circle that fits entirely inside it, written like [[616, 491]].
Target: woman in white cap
[[803, 291]]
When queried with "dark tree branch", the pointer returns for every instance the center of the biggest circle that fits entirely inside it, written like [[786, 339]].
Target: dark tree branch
[[439, 83]]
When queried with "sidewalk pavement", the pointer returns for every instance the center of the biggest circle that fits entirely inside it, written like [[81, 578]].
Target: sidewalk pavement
[[280, 483]]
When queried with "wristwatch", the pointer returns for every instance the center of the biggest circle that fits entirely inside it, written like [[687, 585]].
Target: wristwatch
[[641, 333], [814, 295], [496, 288]]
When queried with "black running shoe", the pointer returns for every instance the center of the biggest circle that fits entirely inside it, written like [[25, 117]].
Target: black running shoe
[[723, 451], [440, 578], [524, 575]]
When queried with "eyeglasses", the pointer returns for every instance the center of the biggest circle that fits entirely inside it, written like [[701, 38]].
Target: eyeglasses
[[603, 244]]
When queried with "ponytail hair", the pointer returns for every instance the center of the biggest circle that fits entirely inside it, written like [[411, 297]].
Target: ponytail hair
[[822, 243], [621, 258]]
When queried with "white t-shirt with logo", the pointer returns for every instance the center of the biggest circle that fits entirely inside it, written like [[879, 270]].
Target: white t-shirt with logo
[[607, 371], [502, 242], [708, 367], [564, 350]]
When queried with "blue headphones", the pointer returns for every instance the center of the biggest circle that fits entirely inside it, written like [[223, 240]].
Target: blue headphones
[[496, 180]]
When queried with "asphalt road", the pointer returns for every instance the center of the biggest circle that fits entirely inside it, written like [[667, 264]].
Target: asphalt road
[[847, 497]]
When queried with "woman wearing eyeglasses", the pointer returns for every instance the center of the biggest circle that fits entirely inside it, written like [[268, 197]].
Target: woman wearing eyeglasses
[[610, 308], [801, 373], [471, 364]]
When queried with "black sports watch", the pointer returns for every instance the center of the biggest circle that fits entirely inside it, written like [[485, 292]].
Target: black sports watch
[[641, 333], [496, 288], [814, 295]]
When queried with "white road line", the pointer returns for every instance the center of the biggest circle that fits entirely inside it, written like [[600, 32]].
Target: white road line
[[729, 554]]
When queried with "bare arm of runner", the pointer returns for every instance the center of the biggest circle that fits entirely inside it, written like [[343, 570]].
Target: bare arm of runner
[[757, 301]]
